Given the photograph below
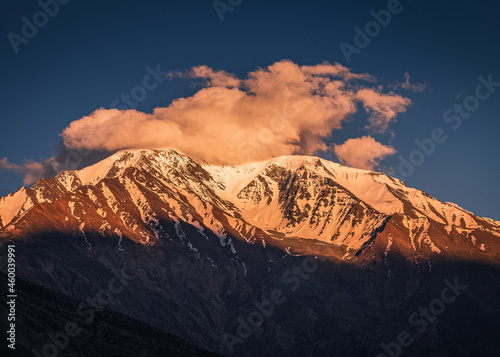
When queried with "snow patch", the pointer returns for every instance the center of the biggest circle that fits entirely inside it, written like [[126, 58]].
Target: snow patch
[[11, 205]]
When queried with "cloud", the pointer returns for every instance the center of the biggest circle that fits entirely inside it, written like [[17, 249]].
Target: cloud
[[66, 159], [31, 169], [363, 153], [282, 109], [234, 120], [383, 108], [414, 87], [336, 70], [214, 78]]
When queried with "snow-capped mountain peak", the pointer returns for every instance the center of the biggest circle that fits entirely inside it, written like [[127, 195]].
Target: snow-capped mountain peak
[[282, 201]]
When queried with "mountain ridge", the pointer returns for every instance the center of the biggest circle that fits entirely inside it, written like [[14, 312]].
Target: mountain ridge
[[285, 197], [208, 241]]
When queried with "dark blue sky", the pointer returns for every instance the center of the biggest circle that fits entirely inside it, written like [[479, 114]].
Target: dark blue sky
[[91, 52]]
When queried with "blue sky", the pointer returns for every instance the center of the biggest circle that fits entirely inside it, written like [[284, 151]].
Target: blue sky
[[91, 52]]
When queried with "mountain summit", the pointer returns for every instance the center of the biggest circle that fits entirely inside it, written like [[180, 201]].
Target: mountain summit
[[294, 202], [351, 253]]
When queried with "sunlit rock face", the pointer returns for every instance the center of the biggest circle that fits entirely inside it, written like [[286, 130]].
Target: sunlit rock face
[[207, 242]]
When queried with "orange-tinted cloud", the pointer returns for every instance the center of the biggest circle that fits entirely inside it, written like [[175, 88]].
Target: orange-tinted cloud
[[214, 78], [282, 109], [336, 70], [362, 153], [383, 108]]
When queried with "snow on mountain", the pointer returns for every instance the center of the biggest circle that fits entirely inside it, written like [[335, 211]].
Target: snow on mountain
[[11, 204], [384, 193], [282, 200], [206, 242], [292, 196]]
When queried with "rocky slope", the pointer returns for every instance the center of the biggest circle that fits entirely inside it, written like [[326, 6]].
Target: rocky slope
[[131, 192], [42, 311], [207, 241]]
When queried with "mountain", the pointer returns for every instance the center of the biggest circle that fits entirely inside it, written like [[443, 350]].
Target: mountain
[[208, 241], [273, 202], [44, 310]]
